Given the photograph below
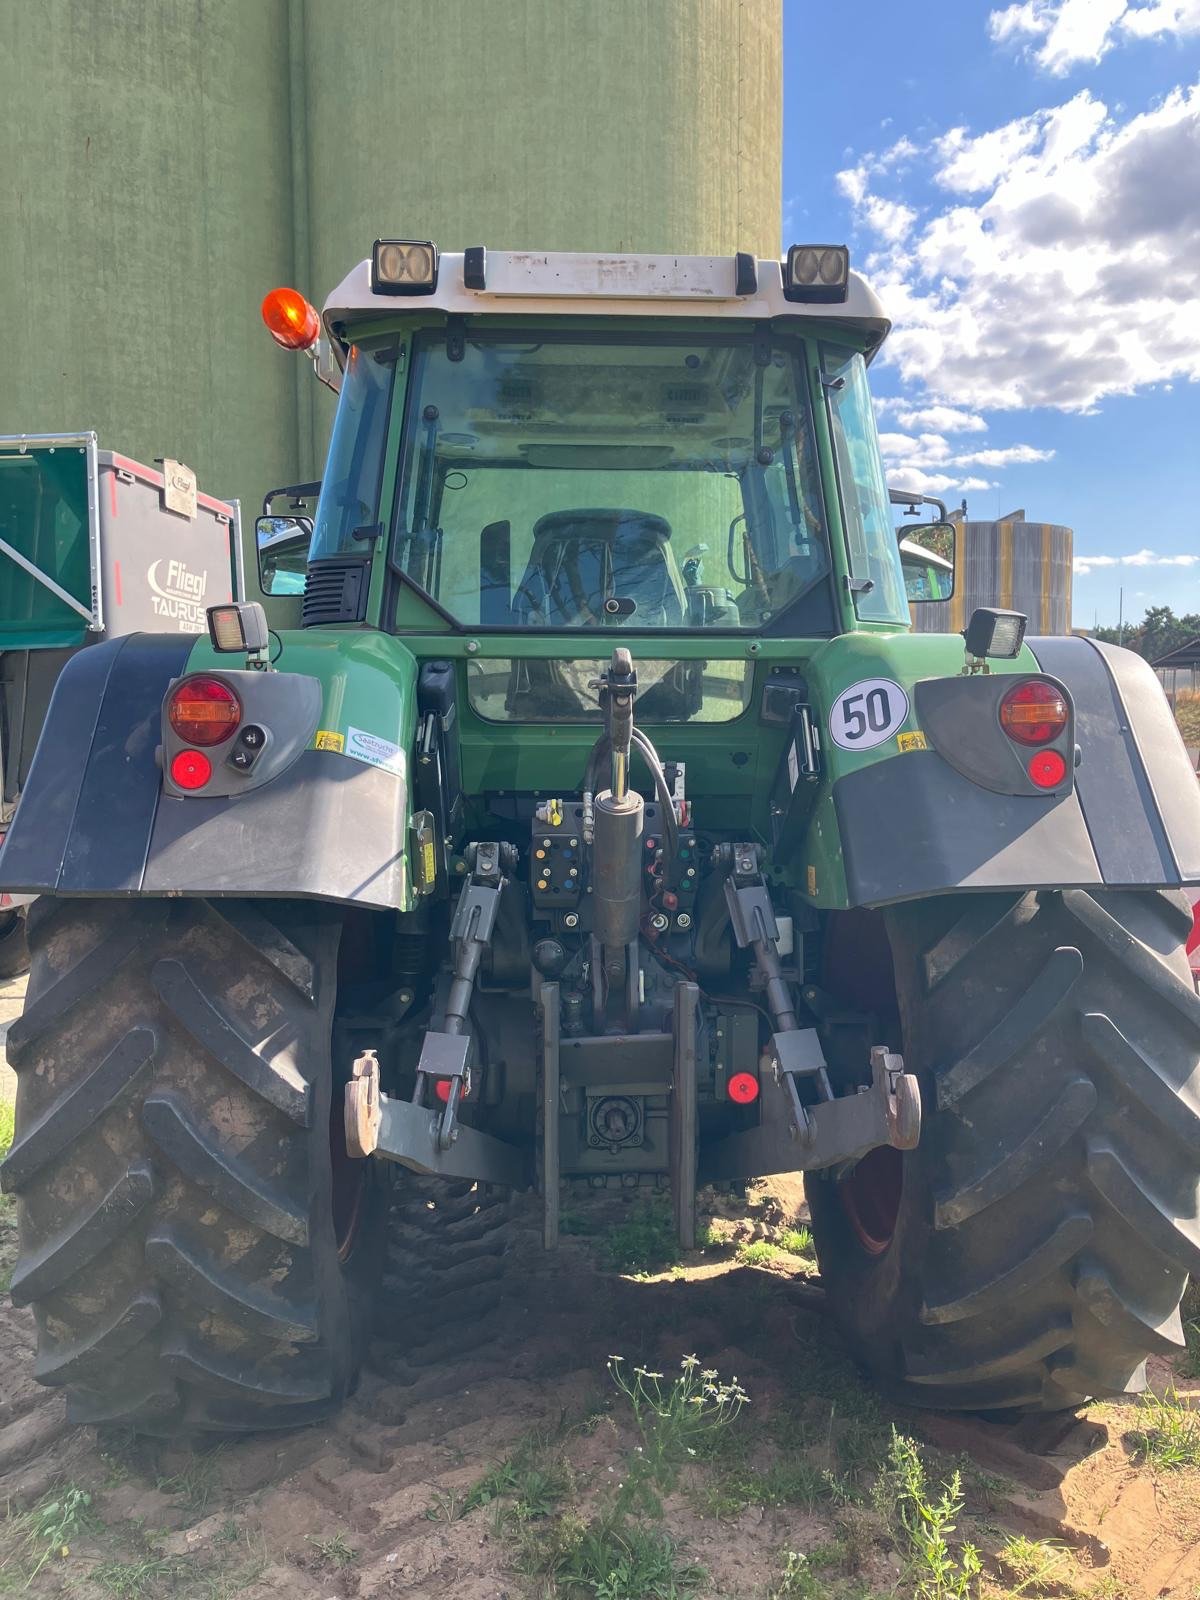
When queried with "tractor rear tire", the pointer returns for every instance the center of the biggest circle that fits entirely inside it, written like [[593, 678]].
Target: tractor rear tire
[[199, 1252], [14, 947], [1033, 1249]]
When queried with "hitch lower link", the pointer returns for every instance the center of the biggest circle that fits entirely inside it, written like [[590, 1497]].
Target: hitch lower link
[[793, 1136], [410, 1132]]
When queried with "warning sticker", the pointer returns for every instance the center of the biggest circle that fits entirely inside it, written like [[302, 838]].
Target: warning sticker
[[376, 752], [326, 739], [912, 741]]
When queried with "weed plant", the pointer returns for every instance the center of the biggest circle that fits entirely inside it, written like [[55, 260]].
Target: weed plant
[[1169, 1435], [923, 1524]]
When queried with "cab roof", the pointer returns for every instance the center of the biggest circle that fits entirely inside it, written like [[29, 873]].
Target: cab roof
[[548, 283]]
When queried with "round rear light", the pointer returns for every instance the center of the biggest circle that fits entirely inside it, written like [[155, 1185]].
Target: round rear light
[[1047, 769], [203, 710], [190, 769], [1034, 712], [742, 1088]]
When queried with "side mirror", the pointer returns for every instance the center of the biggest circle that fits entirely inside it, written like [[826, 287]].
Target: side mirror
[[927, 558], [283, 553]]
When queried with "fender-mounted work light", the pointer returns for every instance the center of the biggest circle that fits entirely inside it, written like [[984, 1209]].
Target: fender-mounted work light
[[817, 273], [404, 266], [241, 627], [290, 320], [998, 634]]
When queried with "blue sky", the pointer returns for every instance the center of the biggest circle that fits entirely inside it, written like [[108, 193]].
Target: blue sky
[[1021, 182]]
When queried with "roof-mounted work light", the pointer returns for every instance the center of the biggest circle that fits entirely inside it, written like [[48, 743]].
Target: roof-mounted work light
[[404, 266], [816, 273]]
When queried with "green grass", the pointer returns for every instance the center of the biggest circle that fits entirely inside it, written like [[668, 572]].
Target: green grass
[[609, 1558], [150, 1575], [758, 1254], [922, 1524], [645, 1241], [1168, 1436], [796, 1242], [6, 1126], [31, 1539], [1036, 1566], [196, 1482], [335, 1551]]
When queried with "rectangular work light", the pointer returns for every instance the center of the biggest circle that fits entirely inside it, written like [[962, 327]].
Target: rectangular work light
[[817, 273], [240, 627], [998, 634], [404, 266]]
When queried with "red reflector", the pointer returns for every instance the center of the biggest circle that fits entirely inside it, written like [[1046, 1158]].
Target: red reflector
[[190, 769], [1034, 712], [203, 710], [441, 1088], [1047, 769], [742, 1088]]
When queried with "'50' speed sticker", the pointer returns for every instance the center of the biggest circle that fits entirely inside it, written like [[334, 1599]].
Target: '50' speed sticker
[[867, 713]]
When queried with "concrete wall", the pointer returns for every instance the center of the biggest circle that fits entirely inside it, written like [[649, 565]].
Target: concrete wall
[[166, 163], [146, 177]]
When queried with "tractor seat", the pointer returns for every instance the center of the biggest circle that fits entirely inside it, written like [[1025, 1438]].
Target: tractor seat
[[580, 559]]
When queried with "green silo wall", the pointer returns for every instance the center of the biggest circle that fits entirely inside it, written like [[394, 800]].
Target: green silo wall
[[168, 161]]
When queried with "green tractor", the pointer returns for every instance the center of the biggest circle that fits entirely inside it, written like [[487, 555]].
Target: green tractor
[[597, 819]]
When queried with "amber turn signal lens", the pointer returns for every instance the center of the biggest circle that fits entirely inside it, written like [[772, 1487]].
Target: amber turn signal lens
[[1034, 712], [290, 320], [190, 769], [203, 711]]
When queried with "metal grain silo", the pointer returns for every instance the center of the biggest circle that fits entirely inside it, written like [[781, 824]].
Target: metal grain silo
[[1012, 563]]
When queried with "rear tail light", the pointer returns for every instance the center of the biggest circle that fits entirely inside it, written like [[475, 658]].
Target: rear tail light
[[190, 769], [1034, 712], [203, 711], [1047, 769], [742, 1088]]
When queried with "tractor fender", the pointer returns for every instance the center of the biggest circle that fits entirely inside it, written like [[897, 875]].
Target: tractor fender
[[917, 824], [96, 819]]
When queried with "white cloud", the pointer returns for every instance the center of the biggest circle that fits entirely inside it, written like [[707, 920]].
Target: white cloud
[[1016, 454], [944, 419], [1139, 558], [1062, 33], [1063, 273]]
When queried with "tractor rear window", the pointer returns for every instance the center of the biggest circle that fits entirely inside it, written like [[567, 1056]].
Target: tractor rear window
[[507, 690], [641, 481]]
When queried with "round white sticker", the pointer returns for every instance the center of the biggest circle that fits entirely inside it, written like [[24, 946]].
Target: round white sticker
[[867, 713]]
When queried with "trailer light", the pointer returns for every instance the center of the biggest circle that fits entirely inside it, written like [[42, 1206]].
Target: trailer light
[[1034, 713], [404, 266], [203, 711], [998, 634], [816, 272], [290, 320], [742, 1088], [240, 627], [190, 769], [1047, 769]]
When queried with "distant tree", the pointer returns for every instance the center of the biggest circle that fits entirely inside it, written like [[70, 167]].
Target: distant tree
[[1159, 632]]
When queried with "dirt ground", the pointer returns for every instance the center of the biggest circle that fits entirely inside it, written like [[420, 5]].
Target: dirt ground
[[502, 1467]]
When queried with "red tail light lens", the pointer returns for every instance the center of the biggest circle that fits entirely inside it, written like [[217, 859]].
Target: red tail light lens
[[1047, 769], [1034, 712], [190, 769], [203, 711], [742, 1088]]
